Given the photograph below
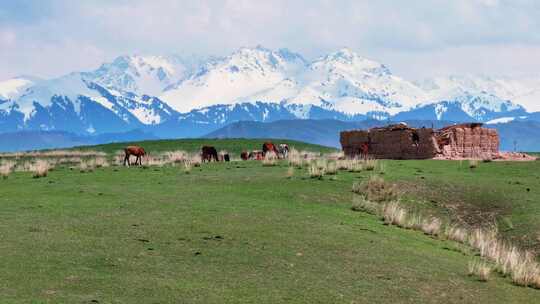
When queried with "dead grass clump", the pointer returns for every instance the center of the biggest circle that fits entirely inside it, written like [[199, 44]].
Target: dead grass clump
[[154, 162], [86, 166], [101, 162], [5, 168], [294, 158], [188, 166], [175, 157], [520, 265], [335, 155], [370, 164], [270, 159], [361, 204], [376, 189], [315, 171], [394, 214], [480, 269], [195, 160], [290, 172], [355, 165], [40, 168], [431, 226], [456, 233], [473, 163], [331, 168], [342, 164]]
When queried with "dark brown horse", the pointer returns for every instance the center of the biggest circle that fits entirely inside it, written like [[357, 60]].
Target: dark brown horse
[[269, 147], [208, 153], [137, 151], [244, 155]]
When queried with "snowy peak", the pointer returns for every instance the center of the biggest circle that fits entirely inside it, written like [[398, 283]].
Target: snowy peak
[[345, 60], [143, 74], [15, 87]]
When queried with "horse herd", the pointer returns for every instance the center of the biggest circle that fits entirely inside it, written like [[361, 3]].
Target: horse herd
[[209, 153]]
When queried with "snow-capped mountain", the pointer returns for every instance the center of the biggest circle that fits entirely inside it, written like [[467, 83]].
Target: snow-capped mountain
[[234, 78], [141, 75], [190, 96]]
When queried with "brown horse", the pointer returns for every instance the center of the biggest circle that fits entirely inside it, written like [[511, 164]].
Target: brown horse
[[208, 153], [269, 147], [244, 155], [137, 151]]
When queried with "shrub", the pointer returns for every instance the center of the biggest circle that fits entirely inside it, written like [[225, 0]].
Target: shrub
[[480, 269]]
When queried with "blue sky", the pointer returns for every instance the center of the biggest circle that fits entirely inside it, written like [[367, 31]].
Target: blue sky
[[416, 39]]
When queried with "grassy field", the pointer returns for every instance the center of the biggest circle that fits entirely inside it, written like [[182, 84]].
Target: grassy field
[[243, 233]]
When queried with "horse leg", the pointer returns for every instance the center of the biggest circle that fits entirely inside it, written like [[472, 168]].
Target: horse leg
[[126, 159]]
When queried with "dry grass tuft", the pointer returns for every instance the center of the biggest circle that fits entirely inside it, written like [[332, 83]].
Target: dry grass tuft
[[361, 204], [331, 168], [175, 157], [316, 171], [370, 164], [290, 172], [294, 158], [188, 166], [473, 163], [195, 160], [101, 162], [5, 168], [376, 190], [394, 214], [40, 168], [480, 269], [456, 233], [270, 159], [431, 226]]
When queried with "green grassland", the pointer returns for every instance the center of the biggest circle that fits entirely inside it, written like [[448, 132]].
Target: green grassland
[[242, 233]]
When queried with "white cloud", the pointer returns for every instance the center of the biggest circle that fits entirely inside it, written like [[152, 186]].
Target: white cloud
[[410, 36]]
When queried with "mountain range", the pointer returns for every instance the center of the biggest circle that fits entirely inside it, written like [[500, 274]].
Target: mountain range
[[190, 96]]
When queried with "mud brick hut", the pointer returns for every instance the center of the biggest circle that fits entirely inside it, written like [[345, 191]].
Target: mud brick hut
[[399, 141]]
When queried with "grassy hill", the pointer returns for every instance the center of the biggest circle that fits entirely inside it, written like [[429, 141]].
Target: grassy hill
[[240, 232]]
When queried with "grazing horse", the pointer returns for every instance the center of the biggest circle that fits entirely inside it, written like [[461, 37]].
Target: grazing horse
[[269, 147], [136, 151], [244, 155], [208, 153], [283, 150]]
